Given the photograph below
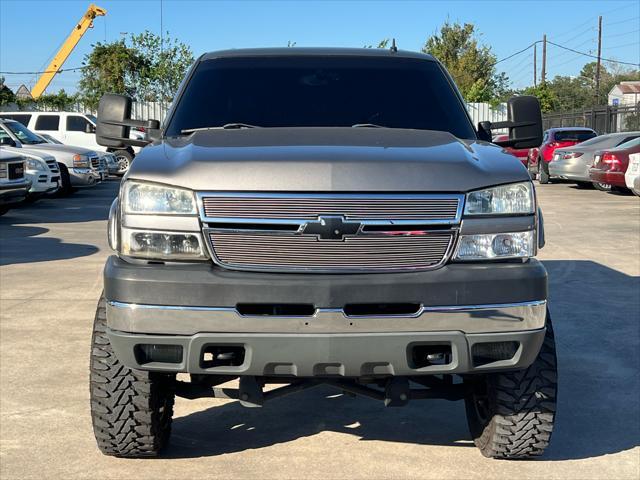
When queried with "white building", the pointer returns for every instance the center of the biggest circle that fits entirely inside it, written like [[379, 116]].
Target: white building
[[625, 93]]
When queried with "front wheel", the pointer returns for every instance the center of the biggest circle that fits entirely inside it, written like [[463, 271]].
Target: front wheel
[[603, 187], [124, 159], [131, 409], [511, 415]]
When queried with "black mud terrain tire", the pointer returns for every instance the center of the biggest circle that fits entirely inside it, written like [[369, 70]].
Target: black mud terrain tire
[[511, 415], [131, 409]]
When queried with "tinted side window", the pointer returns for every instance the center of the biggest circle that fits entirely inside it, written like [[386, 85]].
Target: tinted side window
[[47, 122], [574, 136], [76, 123], [626, 139], [23, 119]]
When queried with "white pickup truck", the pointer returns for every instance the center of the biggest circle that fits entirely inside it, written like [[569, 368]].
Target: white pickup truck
[[73, 128]]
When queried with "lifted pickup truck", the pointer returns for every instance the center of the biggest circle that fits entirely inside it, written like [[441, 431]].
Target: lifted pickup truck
[[329, 217]]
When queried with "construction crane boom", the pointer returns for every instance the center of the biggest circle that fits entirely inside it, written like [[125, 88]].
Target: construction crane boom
[[67, 47]]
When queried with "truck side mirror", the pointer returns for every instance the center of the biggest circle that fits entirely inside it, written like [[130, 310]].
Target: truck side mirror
[[524, 121], [115, 122], [89, 128]]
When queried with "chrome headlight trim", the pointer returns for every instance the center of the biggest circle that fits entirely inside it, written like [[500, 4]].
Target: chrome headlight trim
[[510, 199], [142, 198]]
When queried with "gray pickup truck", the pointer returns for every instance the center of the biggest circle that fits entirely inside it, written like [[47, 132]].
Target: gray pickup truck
[[310, 217]]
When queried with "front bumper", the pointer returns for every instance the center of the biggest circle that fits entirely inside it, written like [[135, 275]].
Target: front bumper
[[14, 192], [43, 182], [195, 305], [604, 176], [84, 177]]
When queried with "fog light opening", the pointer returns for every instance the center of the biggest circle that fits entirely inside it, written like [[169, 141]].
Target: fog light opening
[[489, 352], [153, 353]]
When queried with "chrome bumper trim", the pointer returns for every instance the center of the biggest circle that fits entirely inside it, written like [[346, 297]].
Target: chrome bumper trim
[[189, 320]]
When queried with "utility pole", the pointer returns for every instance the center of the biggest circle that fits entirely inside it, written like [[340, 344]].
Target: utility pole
[[543, 75], [535, 65], [597, 94]]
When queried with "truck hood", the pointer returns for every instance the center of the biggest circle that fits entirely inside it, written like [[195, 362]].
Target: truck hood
[[54, 148], [326, 160]]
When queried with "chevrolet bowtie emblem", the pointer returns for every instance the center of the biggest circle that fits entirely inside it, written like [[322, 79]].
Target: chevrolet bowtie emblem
[[331, 228]]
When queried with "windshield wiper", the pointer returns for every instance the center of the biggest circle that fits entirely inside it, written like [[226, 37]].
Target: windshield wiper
[[226, 126], [367, 125]]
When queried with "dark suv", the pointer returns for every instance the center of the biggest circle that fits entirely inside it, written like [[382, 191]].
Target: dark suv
[[311, 217]]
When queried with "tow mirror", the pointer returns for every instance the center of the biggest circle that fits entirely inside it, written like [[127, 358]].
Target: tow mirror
[[89, 128], [115, 122], [524, 121]]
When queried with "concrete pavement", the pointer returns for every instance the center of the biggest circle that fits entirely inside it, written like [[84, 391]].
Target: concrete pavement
[[51, 257]]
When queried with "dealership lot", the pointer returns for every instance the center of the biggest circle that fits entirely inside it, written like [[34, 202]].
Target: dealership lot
[[51, 257]]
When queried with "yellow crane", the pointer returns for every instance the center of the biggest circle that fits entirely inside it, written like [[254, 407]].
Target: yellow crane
[[67, 47]]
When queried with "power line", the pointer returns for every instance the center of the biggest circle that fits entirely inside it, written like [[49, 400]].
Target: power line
[[592, 56], [44, 71]]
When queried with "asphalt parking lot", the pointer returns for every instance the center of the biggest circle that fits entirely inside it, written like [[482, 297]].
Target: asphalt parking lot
[[51, 257]]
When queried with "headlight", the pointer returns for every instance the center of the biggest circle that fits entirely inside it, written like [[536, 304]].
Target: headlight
[[513, 199], [162, 245], [33, 164], [149, 198], [496, 245], [81, 161]]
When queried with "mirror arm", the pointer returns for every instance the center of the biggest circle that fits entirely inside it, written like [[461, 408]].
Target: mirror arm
[[498, 125], [153, 124], [130, 141]]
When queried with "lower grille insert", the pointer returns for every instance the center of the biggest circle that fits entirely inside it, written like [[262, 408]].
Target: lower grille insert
[[266, 251]]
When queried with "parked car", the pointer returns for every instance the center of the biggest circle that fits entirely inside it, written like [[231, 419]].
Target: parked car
[[609, 166], [573, 163], [632, 175], [113, 167], [73, 128], [43, 172], [79, 167], [271, 233], [519, 153], [14, 185], [553, 139]]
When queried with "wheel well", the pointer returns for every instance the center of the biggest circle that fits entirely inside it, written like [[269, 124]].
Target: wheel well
[[128, 149]]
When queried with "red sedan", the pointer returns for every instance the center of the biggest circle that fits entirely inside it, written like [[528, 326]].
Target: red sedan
[[520, 153], [539, 158], [609, 166]]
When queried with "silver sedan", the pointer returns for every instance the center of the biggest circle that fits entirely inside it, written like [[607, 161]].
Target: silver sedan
[[572, 163]]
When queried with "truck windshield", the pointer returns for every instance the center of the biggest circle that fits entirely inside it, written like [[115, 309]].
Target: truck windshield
[[314, 91], [26, 136]]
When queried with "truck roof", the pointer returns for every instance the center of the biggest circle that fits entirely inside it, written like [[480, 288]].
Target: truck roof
[[321, 52]]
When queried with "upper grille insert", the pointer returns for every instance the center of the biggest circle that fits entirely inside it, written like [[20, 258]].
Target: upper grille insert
[[309, 207]]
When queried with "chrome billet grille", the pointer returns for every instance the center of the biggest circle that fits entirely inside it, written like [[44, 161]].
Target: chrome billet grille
[[309, 207], [282, 252]]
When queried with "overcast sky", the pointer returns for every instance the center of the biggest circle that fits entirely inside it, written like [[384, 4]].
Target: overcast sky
[[31, 31]]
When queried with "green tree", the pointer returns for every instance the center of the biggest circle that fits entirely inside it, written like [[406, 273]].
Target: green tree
[[111, 68], [57, 101], [165, 63], [546, 96], [6, 94], [471, 65]]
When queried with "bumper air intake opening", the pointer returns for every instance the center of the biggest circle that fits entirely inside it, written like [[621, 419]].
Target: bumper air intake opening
[[276, 309], [222, 356], [381, 309], [152, 353], [486, 353], [428, 355]]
